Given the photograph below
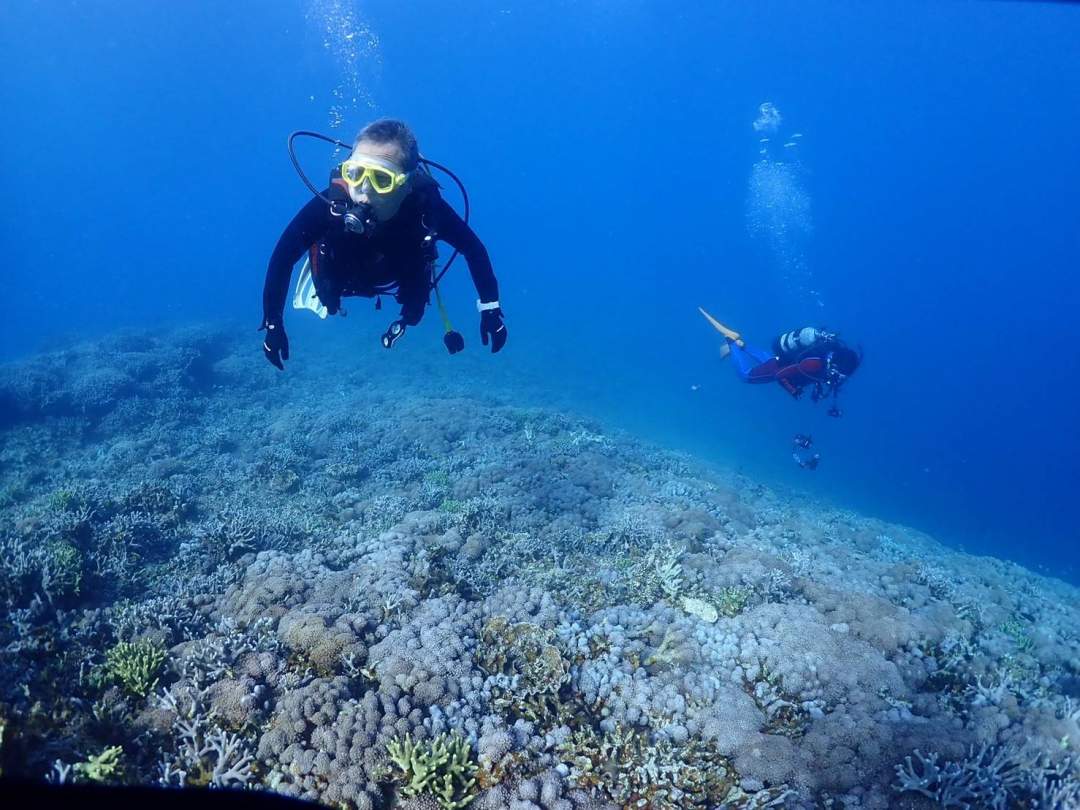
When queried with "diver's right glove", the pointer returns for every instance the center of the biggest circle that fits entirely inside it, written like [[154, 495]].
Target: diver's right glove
[[276, 343], [491, 325]]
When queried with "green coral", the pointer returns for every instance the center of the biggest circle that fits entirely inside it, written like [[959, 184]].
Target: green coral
[[1017, 630], [1024, 673], [963, 669], [442, 767], [657, 575], [632, 770], [522, 649], [732, 600], [673, 651], [525, 652], [343, 470], [452, 506], [438, 478], [784, 714], [62, 570], [135, 666], [157, 500], [105, 767], [65, 500]]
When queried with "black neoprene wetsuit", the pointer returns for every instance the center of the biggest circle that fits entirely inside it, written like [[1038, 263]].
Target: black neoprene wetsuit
[[345, 263]]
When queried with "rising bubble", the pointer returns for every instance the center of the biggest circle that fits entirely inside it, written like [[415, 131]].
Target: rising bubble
[[778, 205], [768, 119], [357, 58]]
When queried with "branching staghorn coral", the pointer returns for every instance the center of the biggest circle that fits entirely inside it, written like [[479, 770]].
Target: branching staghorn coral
[[784, 714], [61, 571], [523, 649], [732, 600], [626, 767], [533, 665], [135, 666], [996, 777], [206, 755], [442, 767], [659, 575], [675, 650], [105, 767], [992, 777]]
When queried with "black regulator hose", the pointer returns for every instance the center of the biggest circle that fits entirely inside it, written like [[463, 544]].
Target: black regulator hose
[[465, 197], [296, 163]]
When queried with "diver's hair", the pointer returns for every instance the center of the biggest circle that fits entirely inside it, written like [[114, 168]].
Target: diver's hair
[[391, 130]]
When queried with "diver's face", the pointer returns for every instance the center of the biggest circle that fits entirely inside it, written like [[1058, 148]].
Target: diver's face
[[387, 155]]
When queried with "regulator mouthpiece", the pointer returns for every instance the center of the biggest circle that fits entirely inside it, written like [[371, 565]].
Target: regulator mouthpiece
[[359, 219]]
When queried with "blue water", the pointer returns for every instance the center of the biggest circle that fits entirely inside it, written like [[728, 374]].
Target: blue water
[[609, 151]]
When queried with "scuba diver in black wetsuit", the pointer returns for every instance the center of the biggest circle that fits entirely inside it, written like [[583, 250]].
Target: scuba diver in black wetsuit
[[803, 358], [373, 232]]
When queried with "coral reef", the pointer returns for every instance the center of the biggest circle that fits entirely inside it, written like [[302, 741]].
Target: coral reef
[[349, 588]]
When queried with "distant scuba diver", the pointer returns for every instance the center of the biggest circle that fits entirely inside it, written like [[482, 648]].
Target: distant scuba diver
[[371, 233], [808, 461], [800, 359]]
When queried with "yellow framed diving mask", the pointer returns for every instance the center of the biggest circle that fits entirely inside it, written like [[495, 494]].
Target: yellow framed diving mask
[[383, 179]]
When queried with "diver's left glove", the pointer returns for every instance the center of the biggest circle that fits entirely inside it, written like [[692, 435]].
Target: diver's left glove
[[276, 343], [491, 325]]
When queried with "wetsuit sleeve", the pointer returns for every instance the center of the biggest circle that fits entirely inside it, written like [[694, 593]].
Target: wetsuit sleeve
[[308, 226], [453, 230]]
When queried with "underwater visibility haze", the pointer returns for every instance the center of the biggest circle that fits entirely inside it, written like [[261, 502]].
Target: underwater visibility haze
[[814, 549]]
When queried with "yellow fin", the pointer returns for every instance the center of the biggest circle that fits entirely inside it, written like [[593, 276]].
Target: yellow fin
[[730, 334]]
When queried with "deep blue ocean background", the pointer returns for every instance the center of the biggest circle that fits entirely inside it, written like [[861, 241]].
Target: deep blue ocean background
[[609, 151]]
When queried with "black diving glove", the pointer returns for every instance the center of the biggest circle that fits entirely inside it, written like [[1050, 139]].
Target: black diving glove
[[493, 328], [276, 343]]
